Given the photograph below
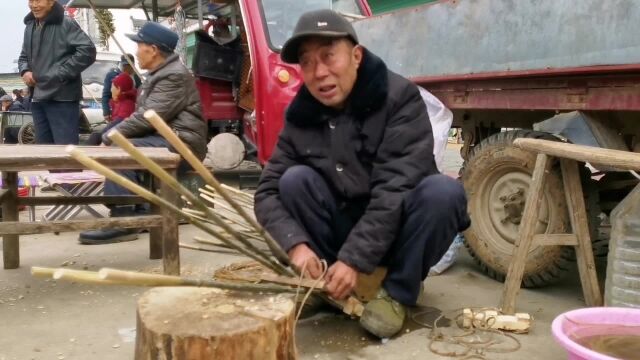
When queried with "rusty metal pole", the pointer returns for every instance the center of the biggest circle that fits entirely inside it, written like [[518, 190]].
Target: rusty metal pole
[[154, 10]]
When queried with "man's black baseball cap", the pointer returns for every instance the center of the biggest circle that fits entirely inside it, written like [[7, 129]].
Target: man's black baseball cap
[[323, 23]]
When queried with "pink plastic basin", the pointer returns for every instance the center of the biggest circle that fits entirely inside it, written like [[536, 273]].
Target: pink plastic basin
[[572, 322]]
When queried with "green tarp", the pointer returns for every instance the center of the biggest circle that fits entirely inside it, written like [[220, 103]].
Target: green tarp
[[381, 6]]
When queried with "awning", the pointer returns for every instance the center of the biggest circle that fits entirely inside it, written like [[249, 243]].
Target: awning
[[165, 7]]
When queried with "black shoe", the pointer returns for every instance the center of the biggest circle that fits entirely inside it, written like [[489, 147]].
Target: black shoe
[[108, 236]]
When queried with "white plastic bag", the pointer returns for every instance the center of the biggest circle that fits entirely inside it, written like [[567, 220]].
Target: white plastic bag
[[441, 119], [449, 257]]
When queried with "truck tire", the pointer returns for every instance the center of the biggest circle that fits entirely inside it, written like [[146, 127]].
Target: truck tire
[[496, 178]]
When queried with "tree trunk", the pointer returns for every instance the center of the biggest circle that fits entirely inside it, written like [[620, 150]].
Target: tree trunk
[[188, 323]]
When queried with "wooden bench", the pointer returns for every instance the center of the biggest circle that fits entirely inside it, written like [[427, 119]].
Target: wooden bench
[[569, 156], [15, 158]]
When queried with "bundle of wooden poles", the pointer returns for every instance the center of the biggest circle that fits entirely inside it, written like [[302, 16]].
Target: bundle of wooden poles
[[220, 211]]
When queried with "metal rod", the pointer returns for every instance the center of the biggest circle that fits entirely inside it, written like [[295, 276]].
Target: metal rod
[[154, 10], [200, 15]]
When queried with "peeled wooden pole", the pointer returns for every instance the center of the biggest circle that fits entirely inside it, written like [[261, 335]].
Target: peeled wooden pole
[[173, 139], [194, 323], [42, 272], [80, 276], [159, 172]]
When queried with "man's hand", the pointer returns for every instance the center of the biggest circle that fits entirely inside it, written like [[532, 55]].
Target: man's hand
[[28, 79], [300, 254], [341, 280], [107, 118]]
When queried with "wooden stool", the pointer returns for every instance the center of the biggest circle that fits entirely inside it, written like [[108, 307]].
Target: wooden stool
[[569, 155]]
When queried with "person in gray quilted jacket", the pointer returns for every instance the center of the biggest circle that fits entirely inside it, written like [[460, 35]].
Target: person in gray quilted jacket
[[170, 90]]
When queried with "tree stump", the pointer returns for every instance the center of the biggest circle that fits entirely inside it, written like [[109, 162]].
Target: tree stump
[[188, 323]]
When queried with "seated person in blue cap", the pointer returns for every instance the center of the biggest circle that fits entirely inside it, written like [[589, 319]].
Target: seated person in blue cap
[[170, 90]]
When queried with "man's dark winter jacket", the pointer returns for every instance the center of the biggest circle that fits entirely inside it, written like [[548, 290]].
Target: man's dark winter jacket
[[373, 153], [171, 91], [56, 53]]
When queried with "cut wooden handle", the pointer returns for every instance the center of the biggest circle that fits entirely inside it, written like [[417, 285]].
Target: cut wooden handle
[[79, 276], [42, 272]]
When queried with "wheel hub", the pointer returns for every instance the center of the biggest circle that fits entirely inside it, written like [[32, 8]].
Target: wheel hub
[[513, 207], [506, 194]]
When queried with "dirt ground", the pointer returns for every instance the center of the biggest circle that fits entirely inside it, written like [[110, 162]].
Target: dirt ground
[[44, 319]]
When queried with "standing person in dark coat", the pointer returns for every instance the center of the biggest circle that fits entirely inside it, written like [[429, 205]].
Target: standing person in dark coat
[[353, 179], [55, 51]]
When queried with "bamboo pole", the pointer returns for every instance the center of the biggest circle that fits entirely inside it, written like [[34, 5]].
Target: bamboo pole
[[199, 248], [82, 158], [79, 276], [143, 279], [159, 172], [164, 130]]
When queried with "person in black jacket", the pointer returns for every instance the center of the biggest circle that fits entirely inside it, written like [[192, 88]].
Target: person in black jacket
[[55, 51], [353, 179]]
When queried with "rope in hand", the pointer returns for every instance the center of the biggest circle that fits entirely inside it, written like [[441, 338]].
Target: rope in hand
[[314, 286]]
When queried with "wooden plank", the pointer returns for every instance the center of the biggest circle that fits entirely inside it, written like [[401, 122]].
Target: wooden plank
[[580, 225], [170, 234], [80, 200], [555, 239], [54, 157], [10, 242], [527, 229], [624, 160], [9, 228]]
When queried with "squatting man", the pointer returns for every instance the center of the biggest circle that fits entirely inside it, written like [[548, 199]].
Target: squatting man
[[353, 180]]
